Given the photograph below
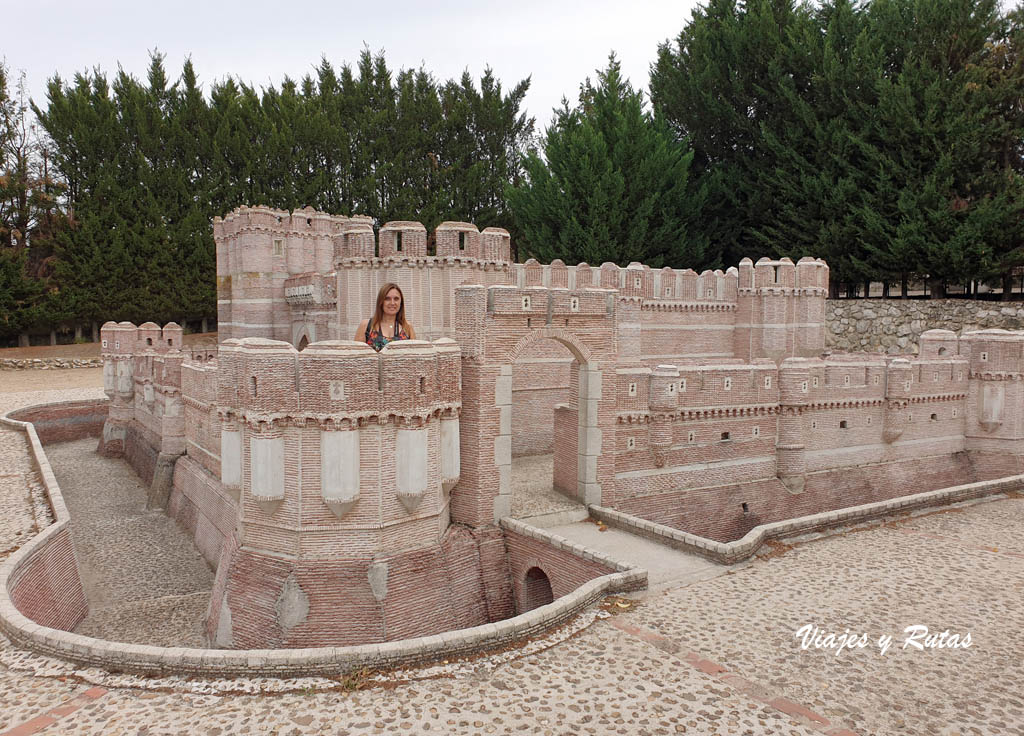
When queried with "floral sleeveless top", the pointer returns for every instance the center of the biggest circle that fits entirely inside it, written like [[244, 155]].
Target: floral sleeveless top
[[376, 340]]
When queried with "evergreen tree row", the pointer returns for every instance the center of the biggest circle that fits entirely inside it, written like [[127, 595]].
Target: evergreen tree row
[[148, 164], [885, 137]]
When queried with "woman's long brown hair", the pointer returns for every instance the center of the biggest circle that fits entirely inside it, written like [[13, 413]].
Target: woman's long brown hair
[[378, 313]]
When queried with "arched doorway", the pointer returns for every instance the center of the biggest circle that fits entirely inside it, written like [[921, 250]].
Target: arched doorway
[[545, 428], [571, 423], [498, 325], [303, 343], [536, 590]]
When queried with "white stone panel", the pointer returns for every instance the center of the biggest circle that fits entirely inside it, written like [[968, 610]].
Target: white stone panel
[[109, 376], [125, 378], [231, 458], [339, 469], [266, 463], [411, 461], [992, 401], [451, 461]]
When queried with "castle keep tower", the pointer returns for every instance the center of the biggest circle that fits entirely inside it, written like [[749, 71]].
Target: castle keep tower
[[258, 249]]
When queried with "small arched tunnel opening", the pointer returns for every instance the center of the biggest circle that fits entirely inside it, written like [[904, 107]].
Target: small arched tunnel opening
[[303, 343], [536, 589]]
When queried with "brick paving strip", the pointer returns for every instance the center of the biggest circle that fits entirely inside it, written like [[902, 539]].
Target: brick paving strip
[[737, 682], [48, 719]]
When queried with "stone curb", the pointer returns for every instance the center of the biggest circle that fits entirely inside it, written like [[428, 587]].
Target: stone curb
[[732, 552], [22, 364], [325, 661]]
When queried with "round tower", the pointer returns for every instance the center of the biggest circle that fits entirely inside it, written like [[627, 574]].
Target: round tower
[[662, 400], [794, 397]]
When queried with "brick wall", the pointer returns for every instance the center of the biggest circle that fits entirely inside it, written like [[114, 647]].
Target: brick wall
[[46, 588], [67, 421], [141, 448], [565, 473], [540, 381], [458, 583], [717, 512], [564, 570], [201, 505]]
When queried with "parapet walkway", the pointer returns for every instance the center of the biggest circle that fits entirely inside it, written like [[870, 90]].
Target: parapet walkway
[[536, 502], [666, 567]]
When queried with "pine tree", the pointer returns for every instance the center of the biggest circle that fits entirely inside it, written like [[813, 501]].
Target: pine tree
[[30, 215], [612, 185], [819, 173]]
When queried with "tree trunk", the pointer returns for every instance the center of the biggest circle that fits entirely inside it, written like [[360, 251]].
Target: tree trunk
[[936, 289], [885, 289], [95, 332], [867, 289], [1007, 286], [24, 340], [78, 333], [833, 290], [904, 286], [53, 337], [204, 327]]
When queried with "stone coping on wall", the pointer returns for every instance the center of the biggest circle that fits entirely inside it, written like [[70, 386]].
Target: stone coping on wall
[[22, 364], [731, 552], [150, 660]]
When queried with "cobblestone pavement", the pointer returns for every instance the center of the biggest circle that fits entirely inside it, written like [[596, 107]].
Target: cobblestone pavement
[[145, 581], [719, 656], [532, 491]]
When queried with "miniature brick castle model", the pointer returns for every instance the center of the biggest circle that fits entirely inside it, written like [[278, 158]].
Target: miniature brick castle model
[[347, 497]]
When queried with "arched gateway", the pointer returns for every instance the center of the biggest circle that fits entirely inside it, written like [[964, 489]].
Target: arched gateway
[[494, 326]]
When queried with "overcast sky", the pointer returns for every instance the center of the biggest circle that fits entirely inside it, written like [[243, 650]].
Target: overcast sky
[[555, 43]]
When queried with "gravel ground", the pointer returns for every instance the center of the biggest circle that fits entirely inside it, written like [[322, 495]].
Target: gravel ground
[[719, 656]]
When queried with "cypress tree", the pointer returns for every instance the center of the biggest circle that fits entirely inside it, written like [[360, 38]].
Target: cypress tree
[[612, 185], [717, 86], [929, 138]]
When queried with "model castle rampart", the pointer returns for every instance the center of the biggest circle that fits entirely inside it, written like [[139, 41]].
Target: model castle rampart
[[306, 277], [320, 476]]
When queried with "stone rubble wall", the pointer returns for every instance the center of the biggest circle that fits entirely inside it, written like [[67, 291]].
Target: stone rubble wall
[[20, 364], [893, 325]]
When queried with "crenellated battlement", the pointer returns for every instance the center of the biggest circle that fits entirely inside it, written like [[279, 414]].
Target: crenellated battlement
[[356, 237], [807, 274], [339, 382], [261, 218], [637, 280]]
